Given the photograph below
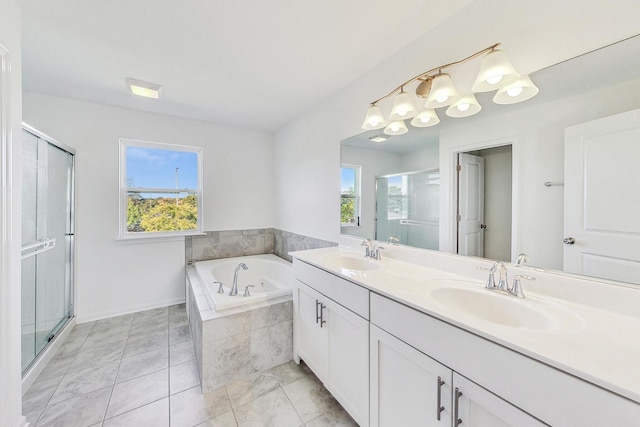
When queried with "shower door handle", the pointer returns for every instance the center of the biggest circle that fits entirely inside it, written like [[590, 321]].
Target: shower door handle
[[38, 247]]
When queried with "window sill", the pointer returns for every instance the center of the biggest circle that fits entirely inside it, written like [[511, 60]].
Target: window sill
[[135, 240]]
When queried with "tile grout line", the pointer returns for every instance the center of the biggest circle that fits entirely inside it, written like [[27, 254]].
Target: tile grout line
[[115, 379], [46, 405]]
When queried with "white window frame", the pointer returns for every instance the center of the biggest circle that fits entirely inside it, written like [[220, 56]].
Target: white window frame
[[358, 197], [124, 190]]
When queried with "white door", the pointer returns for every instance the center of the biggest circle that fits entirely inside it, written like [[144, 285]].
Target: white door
[[312, 339], [470, 205], [477, 407], [348, 354], [602, 198], [408, 388]]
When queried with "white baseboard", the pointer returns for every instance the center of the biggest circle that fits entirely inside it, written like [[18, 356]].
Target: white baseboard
[[129, 310]]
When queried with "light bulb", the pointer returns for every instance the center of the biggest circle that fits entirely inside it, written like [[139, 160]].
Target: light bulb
[[425, 119], [374, 122], [463, 107], [495, 79], [514, 91], [395, 127], [402, 112], [442, 98]]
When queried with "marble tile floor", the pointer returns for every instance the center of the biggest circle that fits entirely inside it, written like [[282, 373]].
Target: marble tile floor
[[139, 370]]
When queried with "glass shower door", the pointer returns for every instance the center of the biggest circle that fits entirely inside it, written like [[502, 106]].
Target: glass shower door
[[47, 237]]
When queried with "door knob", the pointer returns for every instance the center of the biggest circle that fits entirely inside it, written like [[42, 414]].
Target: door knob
[[483, 226], [568, 240]]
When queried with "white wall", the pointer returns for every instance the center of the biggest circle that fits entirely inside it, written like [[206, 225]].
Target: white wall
[[113, 277], [10, 215]]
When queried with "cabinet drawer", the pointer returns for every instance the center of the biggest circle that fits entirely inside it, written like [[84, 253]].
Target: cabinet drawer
[[345, 293]]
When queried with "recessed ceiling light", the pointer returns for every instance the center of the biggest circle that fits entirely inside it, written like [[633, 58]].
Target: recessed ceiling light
[[145, 89], [378, 138]]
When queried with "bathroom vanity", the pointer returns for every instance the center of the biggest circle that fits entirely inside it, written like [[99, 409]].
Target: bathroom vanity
[[416, 339]]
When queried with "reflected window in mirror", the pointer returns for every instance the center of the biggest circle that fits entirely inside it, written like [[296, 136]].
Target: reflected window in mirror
[[350, 195]]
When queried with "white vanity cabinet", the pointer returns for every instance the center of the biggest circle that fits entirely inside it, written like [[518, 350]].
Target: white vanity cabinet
[[500, 387], [332, 336], [409, 388]]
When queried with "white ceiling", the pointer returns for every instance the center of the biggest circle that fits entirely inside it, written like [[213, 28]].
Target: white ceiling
[[255, 64], [259, 65]]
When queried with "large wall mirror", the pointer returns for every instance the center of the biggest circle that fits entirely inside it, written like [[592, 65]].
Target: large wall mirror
[[508, 195]]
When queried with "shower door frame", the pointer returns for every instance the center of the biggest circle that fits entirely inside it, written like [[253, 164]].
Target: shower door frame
[[70, 272]]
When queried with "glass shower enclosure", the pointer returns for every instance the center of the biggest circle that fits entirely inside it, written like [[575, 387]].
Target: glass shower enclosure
[[47, 241], [408, 208]]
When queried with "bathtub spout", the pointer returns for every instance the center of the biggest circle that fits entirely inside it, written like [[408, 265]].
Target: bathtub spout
[[234, 288]]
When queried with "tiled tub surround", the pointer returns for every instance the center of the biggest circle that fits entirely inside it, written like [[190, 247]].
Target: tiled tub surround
[[229, 244], [286, 242], [236, 243], [240, 341]]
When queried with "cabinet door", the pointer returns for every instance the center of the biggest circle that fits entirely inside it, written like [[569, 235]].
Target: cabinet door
[[408, 388], [477, 407], [311, 338], [348, 353]]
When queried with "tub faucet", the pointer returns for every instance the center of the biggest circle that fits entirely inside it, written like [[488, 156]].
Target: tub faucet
[[234, 288]]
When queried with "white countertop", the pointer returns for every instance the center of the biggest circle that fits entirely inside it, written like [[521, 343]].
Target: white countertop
[[597, 345]]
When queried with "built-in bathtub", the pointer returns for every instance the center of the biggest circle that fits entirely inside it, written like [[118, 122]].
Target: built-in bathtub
[[237, 336], [267, 276]]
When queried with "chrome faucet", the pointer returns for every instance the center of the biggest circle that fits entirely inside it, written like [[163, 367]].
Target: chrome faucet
[[375, 252], [503, 283], [234, 288], [368, 243], [522, 258], [372, 249]]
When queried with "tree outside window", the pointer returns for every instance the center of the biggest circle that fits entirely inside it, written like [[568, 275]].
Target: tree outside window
[[349, 195]]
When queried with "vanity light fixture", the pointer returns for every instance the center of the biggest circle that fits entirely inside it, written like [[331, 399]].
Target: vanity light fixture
[[495, 73], [464, 107], [425, 118], [518, 91], [378, 138], [396, 128], [144, 89]]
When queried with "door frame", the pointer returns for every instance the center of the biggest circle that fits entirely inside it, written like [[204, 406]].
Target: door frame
[[448, 207]]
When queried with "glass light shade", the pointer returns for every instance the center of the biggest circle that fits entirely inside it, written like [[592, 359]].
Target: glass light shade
[[374, 119], [425, 119], [403, 107], [495, 72], [518, 91], [466, 106], [442, 93], [396, 128]]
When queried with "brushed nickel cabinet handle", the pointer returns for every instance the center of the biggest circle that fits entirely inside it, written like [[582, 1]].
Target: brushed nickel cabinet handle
[[439, 407], [456, 405]]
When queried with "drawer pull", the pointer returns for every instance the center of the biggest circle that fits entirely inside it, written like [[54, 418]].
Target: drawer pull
[[439, 408], [456, 405], [322, 321], [318, 312]]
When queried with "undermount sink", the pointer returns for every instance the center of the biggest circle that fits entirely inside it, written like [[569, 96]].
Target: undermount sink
[[352, 262], [504, 309]]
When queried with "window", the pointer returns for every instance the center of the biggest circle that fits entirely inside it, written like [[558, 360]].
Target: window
[[160, 189], [349, 195]]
